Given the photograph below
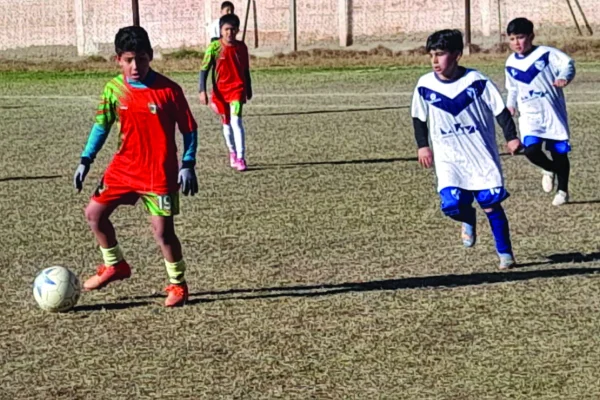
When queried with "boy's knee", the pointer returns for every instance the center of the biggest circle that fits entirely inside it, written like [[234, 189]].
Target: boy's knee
[[93, 215], [163, 235]]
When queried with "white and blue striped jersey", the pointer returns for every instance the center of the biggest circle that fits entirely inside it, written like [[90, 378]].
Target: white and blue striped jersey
[[461, 123], [529, 81]]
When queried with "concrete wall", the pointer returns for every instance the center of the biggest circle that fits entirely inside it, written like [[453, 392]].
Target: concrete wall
[[91, 24]]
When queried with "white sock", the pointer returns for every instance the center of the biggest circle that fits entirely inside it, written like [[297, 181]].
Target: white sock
[[228, 135], [239, 136]]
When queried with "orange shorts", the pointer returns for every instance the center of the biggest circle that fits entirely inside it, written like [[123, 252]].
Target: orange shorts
[[161, 205]]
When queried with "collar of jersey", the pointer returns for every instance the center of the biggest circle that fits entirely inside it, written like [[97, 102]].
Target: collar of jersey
[[145, 83], [522, 57], [467, 70]]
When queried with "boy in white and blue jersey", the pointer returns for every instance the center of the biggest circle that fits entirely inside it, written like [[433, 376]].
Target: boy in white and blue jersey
[[455, 108], [535, 78]]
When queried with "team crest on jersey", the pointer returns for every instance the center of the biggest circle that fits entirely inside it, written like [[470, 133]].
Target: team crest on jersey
[[540, 64], [152, 107], [433, 98]]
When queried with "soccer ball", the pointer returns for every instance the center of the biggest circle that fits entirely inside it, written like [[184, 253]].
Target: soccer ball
[[56, 289]]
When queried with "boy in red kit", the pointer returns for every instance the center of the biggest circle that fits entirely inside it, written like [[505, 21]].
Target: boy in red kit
[[229, 61], [147, 106]]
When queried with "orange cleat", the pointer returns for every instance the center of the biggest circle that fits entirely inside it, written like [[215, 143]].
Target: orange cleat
[[177, 295], [107, 274]]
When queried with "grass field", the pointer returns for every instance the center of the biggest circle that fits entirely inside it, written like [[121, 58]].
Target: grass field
[[326, 271]]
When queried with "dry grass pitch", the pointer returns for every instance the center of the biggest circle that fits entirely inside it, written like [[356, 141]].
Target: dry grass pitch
[[326, 271]]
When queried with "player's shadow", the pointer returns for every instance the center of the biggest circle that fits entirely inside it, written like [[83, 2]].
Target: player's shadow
[[12, 107], [336, 111], [584, 202], [29, 178], [111, 306], [258, 167], [431, 282]]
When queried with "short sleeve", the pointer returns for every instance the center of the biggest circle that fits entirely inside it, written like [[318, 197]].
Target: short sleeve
[[419, 108], [106, 114], [562, 65], [511, 88], [209, 56], [492, 97]]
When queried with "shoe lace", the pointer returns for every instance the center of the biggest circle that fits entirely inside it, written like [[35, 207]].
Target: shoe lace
[[177, 290], [101, 269]]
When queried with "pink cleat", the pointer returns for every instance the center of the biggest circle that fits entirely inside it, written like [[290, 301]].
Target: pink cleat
[[240, 165], [232, 159]]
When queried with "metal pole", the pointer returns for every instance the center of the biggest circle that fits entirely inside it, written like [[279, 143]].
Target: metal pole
[[500, 28], [136, 12], [293, 26], [585, 21], [246, 20], [574, 18], [467, 27], [255, 24]]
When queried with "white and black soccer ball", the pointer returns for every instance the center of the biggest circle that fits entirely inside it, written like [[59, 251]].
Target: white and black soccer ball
[[56, 289]]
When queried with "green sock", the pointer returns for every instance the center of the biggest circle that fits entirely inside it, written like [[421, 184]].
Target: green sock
[[176, 271], [112, 256]]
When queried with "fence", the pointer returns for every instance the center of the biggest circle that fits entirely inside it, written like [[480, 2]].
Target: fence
[[88, 26]]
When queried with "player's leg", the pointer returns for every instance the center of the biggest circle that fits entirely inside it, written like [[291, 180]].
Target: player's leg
[[98, 213], [222, 109], [490, 201], [535, 154], [457, 204], [239, 134], [162, 209], [229, 141], [560, 158]]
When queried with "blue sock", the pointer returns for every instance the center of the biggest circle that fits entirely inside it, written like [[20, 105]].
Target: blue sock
[[500, 230]]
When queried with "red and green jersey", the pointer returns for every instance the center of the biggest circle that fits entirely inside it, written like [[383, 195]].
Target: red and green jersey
[[230, 65], [146, 115]]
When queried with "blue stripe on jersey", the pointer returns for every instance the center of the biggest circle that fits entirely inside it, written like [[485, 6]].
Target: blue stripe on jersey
[[532, 72], [458, 104]]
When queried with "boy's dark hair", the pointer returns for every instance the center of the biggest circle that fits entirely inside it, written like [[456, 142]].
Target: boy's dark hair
[[230, 19], [519, 26], [447, 40], [133, 38], [226, 4]]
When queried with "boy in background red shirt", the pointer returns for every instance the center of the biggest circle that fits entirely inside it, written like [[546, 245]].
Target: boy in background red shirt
[[147, 106], [229, 61]]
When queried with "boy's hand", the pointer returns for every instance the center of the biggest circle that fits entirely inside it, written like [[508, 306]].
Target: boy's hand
[[80, 174], [513, 146], [203, 98], [425, 157], [188, 181], [512, 111], [560, 83]]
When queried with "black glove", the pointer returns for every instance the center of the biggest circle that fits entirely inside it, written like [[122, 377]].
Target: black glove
[[187, 179]]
